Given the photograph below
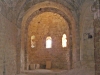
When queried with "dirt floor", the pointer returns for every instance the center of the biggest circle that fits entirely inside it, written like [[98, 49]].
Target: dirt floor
[[78, 71]]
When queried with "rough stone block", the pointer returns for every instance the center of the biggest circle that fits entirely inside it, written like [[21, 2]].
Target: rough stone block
[[37, 66], [48, 64], [32, 66]]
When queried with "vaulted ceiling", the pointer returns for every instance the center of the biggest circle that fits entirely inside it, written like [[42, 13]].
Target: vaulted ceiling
[[19, 3], [12, 8]]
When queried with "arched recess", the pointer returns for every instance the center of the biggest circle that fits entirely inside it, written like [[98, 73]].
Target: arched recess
[[49, 6], [52, 26]]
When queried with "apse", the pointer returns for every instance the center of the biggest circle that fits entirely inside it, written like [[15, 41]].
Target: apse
[[48, 42]]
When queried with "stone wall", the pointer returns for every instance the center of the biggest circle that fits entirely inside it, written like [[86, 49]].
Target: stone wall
[[97, 45], [8, 34], [86, 35], [8, 11]]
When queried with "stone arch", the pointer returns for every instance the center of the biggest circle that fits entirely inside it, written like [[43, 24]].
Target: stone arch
[[52, 7], [61, 14], [25, 5]]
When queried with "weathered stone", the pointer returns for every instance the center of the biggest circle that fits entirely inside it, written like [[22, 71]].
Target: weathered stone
[[16, 56], [48, 64]]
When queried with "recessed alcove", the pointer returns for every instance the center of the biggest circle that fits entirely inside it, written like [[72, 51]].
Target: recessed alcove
[[55, 25], [48, 25]]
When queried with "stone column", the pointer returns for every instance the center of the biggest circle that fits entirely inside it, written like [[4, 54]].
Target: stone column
[[96, 10], [97, 45]]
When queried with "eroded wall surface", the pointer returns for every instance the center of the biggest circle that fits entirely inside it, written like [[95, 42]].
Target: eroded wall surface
[[9, 12], [8, 34], [97, 45]]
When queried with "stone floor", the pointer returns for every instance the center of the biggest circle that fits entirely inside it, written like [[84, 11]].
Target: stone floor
[[79, 71]]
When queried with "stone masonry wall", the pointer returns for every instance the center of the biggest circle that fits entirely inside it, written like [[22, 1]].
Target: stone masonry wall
[[87, 35], [97, 45], [8, 34]]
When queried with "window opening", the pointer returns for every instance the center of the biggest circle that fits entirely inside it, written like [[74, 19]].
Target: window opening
[[64, 40], [49, 42], [33, 41]]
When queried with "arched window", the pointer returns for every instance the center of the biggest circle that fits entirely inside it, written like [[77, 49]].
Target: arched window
[[64, 40], [33, 41], [49, 42]]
